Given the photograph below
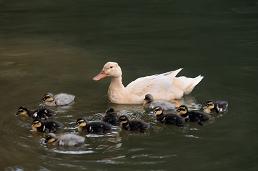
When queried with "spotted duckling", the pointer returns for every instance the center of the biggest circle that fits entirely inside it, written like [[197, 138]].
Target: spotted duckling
[[168, 118], [61, 99], [218, 106], [110, 117], [95, 127], [132, 125], [41, 113], [192, 116], [44, 126], [67, 139], [149, 104]]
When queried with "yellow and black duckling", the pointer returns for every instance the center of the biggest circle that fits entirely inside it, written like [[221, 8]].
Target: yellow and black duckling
[[132, 125], [218, 106], [67, 139], [110, 117], [168, 118], [192, 116], [61, 99], [95, 127], [41, 113], [44, 126], [149, 104]]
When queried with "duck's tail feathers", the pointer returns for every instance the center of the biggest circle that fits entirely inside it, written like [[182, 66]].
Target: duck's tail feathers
[[194, 82], [172, 74], [186, 84]]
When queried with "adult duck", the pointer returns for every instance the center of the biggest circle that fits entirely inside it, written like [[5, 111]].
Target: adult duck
[[164, 86]]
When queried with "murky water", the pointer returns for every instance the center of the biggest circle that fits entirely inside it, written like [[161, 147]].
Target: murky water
[[58, 46]]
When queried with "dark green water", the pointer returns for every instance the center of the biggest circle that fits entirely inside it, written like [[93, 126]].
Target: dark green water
[[59, 45]]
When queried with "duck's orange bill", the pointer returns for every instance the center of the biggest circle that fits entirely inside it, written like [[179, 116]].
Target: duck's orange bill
[[100, 76]]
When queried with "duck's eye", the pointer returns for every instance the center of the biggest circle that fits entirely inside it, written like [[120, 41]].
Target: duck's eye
[[111, 67]]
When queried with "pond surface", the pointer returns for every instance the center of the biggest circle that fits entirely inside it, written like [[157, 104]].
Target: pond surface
[[59, 45]]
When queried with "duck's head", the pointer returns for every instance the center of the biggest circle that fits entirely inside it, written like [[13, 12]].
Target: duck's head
[[49, 97], [209, 106], [148, 99], [23, 111], [110, 69], [81, 123], [158, 111], [50, 138], [123, 120], [182, 110], [36, 124]]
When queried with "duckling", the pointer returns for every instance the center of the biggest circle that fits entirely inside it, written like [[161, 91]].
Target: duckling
[[132, 125], [218, 106], [40, 113], [110, 117], [192, 116], [168, 118], [149, 104], [95, 127], [61, 99], [48, 126], [67, 139]]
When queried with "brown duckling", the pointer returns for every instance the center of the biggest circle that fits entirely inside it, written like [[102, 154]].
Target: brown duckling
[[218, 106], [44, 126], [168, 118], [95, 127], [110, 117], [192, 116], [41, 113], [132, 125]]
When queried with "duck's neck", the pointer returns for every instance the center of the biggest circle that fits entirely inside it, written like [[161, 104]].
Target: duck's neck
[[116, 89], [116, 83]]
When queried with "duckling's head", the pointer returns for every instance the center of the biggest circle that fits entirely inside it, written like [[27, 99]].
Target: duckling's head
[[221, 106], [110, 69], [110, 110], [81, 123], [158, 110], [148, 99], [36, 124], [22, 111], [208, 106], [182, 110], [49, 97], [50, 138], [123, 120]]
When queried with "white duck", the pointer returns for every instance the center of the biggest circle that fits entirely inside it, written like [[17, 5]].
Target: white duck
[[164, 86]]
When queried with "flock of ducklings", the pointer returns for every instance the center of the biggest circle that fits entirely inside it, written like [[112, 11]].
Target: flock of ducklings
[[163, 111]]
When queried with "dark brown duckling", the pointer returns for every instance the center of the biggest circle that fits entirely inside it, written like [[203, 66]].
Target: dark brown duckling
[[218, 106], [95, 127], [111, 117], [168, 118], [44, 126], [192, 116], [41, 113], [132, 125]]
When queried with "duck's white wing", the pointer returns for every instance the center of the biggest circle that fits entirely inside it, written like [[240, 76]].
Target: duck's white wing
[[152, 84]]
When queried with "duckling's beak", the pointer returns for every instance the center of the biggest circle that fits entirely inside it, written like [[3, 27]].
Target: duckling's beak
[[100, 76]]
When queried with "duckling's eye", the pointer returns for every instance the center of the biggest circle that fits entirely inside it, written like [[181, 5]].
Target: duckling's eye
[[111, 67]]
